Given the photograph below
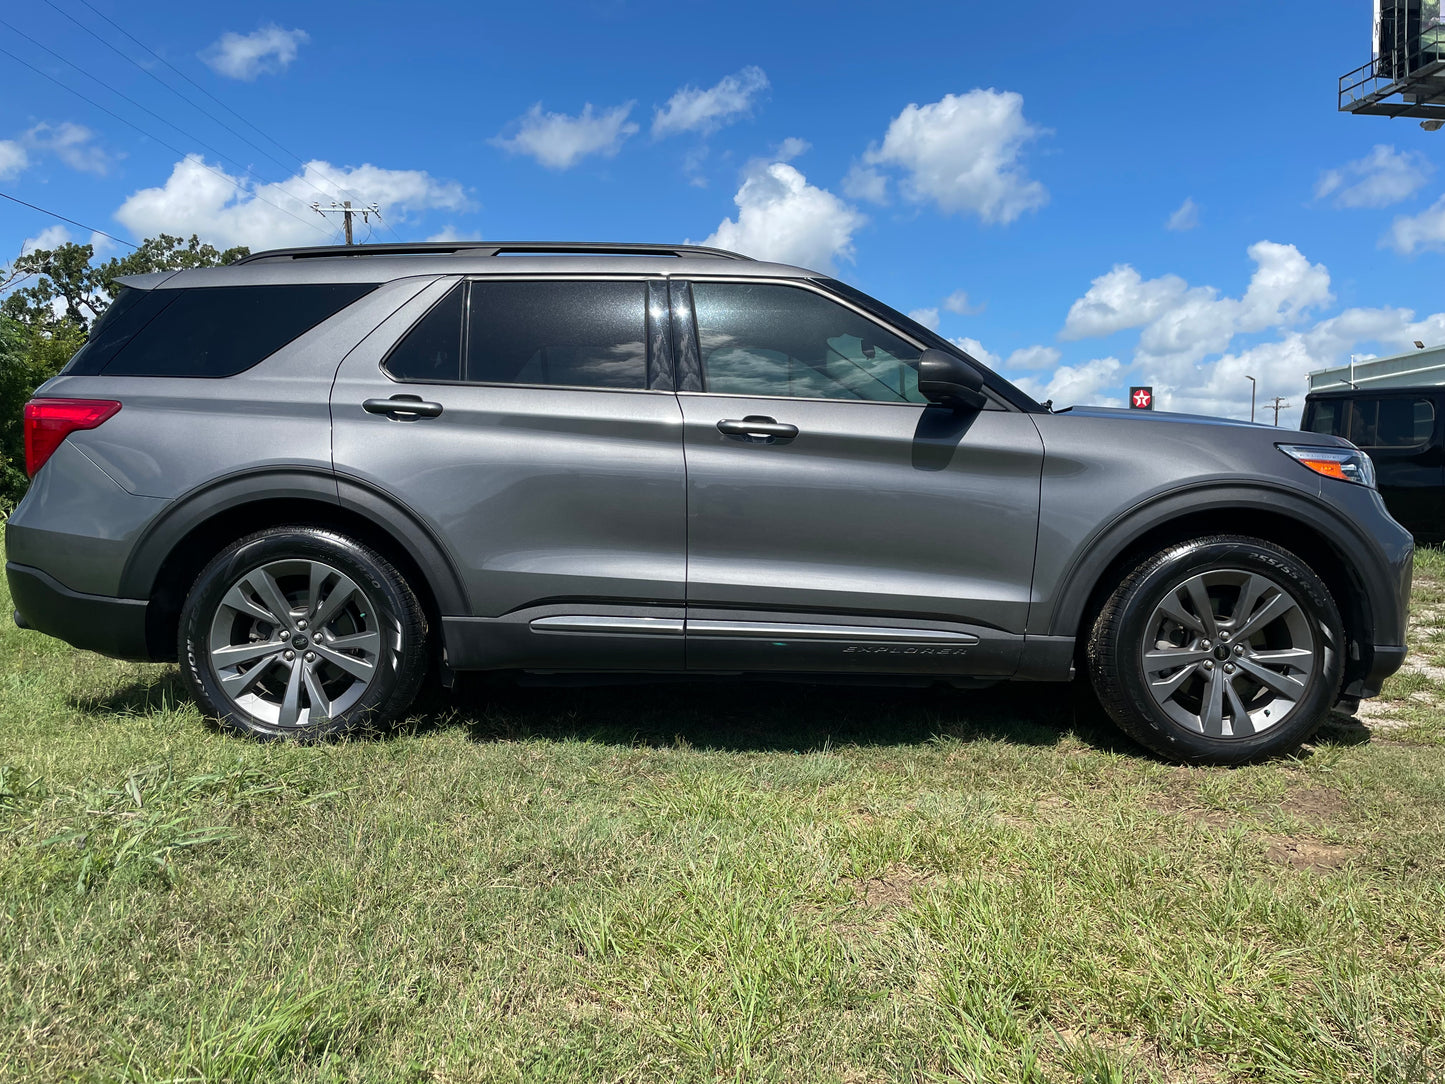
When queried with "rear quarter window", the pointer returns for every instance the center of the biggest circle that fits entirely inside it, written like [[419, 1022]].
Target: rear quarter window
[[209, 331]]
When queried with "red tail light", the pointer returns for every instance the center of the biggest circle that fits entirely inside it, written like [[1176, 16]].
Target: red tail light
[[50, 421]]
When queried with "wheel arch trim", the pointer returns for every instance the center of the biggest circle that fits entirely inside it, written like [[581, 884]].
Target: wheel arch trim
[[191, 511], [1094, 557]]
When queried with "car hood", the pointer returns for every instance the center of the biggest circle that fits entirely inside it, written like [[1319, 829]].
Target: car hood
[[1124, 416]]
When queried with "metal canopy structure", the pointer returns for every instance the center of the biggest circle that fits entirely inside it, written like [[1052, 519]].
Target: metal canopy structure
[[1405, 76]]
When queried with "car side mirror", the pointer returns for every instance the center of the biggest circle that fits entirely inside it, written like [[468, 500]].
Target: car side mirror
[[950, 381]]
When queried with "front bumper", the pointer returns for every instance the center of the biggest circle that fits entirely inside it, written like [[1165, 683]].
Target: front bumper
[[110, 626]]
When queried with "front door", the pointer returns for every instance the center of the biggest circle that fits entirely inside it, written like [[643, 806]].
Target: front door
[[530, 425], [836, 521]]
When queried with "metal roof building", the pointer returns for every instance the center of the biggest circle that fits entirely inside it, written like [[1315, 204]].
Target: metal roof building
[[1397, 371]]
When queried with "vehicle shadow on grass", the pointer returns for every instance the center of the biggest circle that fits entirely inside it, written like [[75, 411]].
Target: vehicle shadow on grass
[[736, 715], [732, 715]]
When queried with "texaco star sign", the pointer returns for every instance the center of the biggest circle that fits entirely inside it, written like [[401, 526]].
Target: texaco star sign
[[1141, 398]]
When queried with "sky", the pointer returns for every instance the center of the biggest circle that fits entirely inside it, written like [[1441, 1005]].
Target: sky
[[1084, 196]]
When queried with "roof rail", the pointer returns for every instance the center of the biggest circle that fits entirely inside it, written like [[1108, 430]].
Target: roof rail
[[491, 248]]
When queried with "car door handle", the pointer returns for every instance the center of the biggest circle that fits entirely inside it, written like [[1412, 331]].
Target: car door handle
[[755, 425], [407, 406]]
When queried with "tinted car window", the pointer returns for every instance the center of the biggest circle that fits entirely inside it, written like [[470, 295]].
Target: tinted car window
[[432, 349], [763, 339], [1325, 416], [575, 334], [1390, 423], [128, 313], [223, 330]]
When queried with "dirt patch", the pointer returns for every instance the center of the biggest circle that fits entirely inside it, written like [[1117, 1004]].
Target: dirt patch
[[1316, 805], [893, 890], [1306, 854]]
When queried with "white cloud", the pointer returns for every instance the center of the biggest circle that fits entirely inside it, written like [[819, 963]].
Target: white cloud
[[49, 238], [449, 233], [1425, 230], [1186, 218], [13, 159], [695, 110], [73, 144], [927, 317], [1075, 384], [1121, 299], [1383, 177], [791, 148], [560, 141], [980, 353], [782, 217], [962, 153], [205, 201], [1183, 324], [866, 184], [1033, 357], [958, 302], [245, 56]]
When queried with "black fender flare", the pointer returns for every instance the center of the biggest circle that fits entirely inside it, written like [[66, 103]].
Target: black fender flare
[[185, 513], [1092, 559]]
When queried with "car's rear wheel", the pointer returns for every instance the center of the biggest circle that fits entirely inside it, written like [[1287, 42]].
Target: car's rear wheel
[[297, 632], [1218, 651]]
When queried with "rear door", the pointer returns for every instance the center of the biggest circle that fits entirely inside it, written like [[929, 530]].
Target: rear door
[[531, 426], [836, 521], [1401, 433]]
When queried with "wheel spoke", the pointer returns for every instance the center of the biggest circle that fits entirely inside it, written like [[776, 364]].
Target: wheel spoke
[[1283, 684], [1172, 684], [339, 595], [237, 685], [320, 705], [358, 668], [369, 642], [1156, 662], [236, 599], [238, 654], [270, 595], [1202, 606], [1298, 657], [1243, 725], [291, 701], [1212, 720], [1172, 609], [1248, 599], [1275, 608]]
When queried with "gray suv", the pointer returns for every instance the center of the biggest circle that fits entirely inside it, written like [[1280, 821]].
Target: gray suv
[[317, 474]]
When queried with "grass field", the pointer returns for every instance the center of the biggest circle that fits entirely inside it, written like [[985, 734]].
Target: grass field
[[709, 882]]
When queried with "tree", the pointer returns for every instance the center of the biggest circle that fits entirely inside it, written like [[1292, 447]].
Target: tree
[[43, 322]]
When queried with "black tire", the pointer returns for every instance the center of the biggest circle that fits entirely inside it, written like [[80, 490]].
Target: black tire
[[360, 669], [1227, 568]]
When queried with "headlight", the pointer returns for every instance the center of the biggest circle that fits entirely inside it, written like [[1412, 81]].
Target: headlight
[[1346, 464]]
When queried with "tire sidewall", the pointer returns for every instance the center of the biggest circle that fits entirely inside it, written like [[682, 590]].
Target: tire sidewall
[[1169, 571], [248, 554]]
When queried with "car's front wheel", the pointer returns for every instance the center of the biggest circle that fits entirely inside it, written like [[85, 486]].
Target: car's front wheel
[[298, 632], [1218, 651]]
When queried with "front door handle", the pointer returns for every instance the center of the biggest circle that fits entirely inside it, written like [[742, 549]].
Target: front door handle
[[403, 406], [755, 425]]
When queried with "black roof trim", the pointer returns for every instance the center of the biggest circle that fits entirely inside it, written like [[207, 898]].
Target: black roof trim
[[491, 248]]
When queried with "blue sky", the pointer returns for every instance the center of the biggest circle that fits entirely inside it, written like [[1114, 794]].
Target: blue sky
[[1012, 174]]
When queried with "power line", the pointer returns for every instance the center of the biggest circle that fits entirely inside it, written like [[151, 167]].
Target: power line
[[206, 113], [339, 190], [54, 214], [169, 146]]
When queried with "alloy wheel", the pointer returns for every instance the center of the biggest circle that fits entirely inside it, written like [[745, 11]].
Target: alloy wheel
[[296, 642], [1229, 653]]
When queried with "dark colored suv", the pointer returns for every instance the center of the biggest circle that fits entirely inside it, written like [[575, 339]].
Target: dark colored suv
[[313, 474], [1403, 432]]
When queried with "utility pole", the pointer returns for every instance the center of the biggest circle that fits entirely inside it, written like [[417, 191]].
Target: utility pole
[[1279, 403], [347, 211]]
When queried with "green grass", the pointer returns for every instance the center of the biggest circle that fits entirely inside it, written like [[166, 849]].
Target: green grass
[[710, 882]]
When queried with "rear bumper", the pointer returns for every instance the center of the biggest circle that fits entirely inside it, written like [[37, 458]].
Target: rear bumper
[[110, 626]]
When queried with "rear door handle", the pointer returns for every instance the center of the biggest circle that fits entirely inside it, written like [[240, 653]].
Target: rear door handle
[[755, 425], [405, 406]]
